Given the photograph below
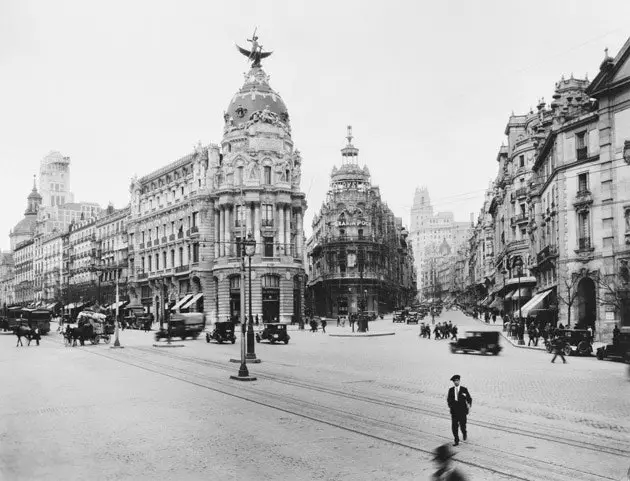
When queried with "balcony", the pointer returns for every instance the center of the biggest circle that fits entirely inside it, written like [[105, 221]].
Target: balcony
[[180, 269], [582, 153], [583, 198], [141, 245], [180, 235], [164, 240], [267, 222], [521, 192], [171, 237], [584, 244], [194, 229], [187, 232], [143, 275], [546, 253], [520, 219], [149, 243]]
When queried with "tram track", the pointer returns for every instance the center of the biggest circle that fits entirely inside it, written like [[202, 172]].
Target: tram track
[[499, 462], [506, 463]]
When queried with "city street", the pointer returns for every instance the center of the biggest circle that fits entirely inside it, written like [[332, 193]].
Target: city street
[[327, 408]]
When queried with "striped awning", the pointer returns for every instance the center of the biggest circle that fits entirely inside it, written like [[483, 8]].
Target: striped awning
[[182, 301], [534, 302], [192, 301]]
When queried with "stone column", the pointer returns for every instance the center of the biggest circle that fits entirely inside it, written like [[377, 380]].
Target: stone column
[[287, 230], [298, 235], [248, 219], [217, 237], [257, 225], [227, 238], [221, 235], [280, 236]]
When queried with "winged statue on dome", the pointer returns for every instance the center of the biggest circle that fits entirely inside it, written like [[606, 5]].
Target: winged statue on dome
[[256, 53]]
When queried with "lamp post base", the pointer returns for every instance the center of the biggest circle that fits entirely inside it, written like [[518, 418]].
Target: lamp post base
[[243, 374], [251, 358], [243, 378]]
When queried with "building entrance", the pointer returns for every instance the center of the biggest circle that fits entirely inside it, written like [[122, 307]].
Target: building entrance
[[587, 305], [271, 305]]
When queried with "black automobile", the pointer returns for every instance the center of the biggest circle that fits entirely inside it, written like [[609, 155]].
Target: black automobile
[[577, 341], [619, 350], [182, 325], [222, 332], [274, 332], [478, 341]]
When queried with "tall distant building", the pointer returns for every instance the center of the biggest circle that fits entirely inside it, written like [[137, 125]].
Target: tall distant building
[[431, 232], [54, 180]]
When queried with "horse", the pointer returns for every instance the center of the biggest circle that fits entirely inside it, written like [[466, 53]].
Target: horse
[[23, 331], [74, 334]]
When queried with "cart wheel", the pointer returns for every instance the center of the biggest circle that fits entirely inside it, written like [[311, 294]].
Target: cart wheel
[[94, 341], [207, 338], [600, 354], [567, 350]]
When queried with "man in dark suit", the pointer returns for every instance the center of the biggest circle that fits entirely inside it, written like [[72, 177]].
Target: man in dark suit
[[459, 402]]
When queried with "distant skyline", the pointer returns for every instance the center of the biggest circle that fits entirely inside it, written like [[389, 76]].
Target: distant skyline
[[124, 88]]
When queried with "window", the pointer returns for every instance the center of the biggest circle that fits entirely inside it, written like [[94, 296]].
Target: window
[[608, 242], [195, 252], [583, 183], [194, 219], [583, 229], [157, 262], [149, 260], [270, 282], [267, 174], [360, 232], [239, 175], [181, 256], [239, 217], [267, 215], [235, 282], [622, 127], [268, 243], [521, 161], [580, 143], [607, 190]]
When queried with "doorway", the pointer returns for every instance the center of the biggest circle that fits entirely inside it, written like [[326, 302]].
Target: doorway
[[271, 305], [587, 303]]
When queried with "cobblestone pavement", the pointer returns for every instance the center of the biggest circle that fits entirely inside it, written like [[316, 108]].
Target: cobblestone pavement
[[323, 408]]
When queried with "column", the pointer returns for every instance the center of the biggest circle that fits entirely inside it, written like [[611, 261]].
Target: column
[[221, 231], [228, 230], [257, 225], [280, 235], [298, 235], [287, 230], [217, 237], [248, 219]]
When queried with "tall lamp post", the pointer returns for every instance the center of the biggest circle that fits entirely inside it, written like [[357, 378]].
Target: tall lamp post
[[243, 372], [250, 250], [518, 263]]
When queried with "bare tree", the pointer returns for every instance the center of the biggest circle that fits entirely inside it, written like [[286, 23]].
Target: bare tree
[[615, 287], [569, 294]]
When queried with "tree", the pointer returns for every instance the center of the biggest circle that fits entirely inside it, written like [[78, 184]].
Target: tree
[[568, 296], [615, 289]]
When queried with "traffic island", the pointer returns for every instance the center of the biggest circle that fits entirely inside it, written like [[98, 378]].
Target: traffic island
[[247, 361], [243, 378], [363, 334], [168, 345]]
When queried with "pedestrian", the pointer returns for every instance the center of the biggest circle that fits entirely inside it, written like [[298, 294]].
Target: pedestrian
[[257, 321], [442, 456], [338, 321], [35, 336], [352, 321], [459, 402], [19, 337], [494, 318], [454, 331], [324, 326], [558, 349], [343, 321]]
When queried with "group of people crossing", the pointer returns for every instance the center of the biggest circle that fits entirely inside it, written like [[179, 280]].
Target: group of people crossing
[[441, 330]]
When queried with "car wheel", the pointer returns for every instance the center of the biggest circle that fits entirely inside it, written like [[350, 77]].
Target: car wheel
[[583, 348], [600, 354], [273, 341], [234, 340], [183, 338], [286, 342], [483, 350], [567, 350], [453, 350]]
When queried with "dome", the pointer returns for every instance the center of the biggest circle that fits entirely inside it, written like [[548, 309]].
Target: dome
[[25, 226], [255, 96]]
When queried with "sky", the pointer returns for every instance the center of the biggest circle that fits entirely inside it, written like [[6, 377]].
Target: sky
[[126, 87]]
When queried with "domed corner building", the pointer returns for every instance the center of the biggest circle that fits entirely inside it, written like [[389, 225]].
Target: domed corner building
[[359, 258], [256, 193], [188, 218]]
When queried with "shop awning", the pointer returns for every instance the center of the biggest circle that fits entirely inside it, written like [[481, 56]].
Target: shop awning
[[74, 305], [522, 293], [120, 304], [534, 302], [509, 295], [182, 301], [192, 301]]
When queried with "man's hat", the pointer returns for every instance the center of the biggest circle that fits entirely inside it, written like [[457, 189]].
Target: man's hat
[[442, 453], [456, 377]]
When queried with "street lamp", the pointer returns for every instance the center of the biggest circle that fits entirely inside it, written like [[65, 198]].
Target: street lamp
[[250, 250], [243, 372], [518, 263]]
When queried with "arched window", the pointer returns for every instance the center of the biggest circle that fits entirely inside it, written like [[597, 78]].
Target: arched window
[[270, 282], [235, 282]]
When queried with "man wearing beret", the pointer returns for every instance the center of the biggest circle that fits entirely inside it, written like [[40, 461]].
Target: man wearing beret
[[459, 402]]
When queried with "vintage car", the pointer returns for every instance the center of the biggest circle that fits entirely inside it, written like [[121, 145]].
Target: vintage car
[[399, 316], [274, 332], [182, 325], [413, 317], [478, 341], [222, 332], [578, 341], [619, 350]]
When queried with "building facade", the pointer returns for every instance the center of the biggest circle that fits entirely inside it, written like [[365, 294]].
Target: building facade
[[7, 291], [189, 219], [359, 257]]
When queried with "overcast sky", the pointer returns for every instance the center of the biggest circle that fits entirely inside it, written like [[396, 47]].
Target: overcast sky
[[125, 87]]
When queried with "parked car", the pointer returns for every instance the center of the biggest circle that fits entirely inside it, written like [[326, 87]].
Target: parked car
[[578, 341], [413, 317], [182, 325], [222, 332], [274, 332], [619, 350], [478, 341]]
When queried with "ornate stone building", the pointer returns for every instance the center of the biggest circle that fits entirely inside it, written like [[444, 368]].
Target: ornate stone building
[[112, 251], [358, 254], [188, 218]]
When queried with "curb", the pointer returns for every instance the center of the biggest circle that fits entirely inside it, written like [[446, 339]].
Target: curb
[[379, 334], [522, 346]]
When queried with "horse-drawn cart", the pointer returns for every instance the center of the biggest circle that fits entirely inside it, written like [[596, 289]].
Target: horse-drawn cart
[[91, 326]]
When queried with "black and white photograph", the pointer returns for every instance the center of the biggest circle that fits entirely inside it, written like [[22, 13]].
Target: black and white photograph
[[293, 240]]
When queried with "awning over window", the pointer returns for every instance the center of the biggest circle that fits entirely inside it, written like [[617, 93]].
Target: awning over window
[[497, 303], [182, 301], [192, 301], [509, 295], [534, 302]]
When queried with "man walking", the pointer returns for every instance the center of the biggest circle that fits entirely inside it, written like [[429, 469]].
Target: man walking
[[459, 402], [445, 472], [324, 326], [558, 349]]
